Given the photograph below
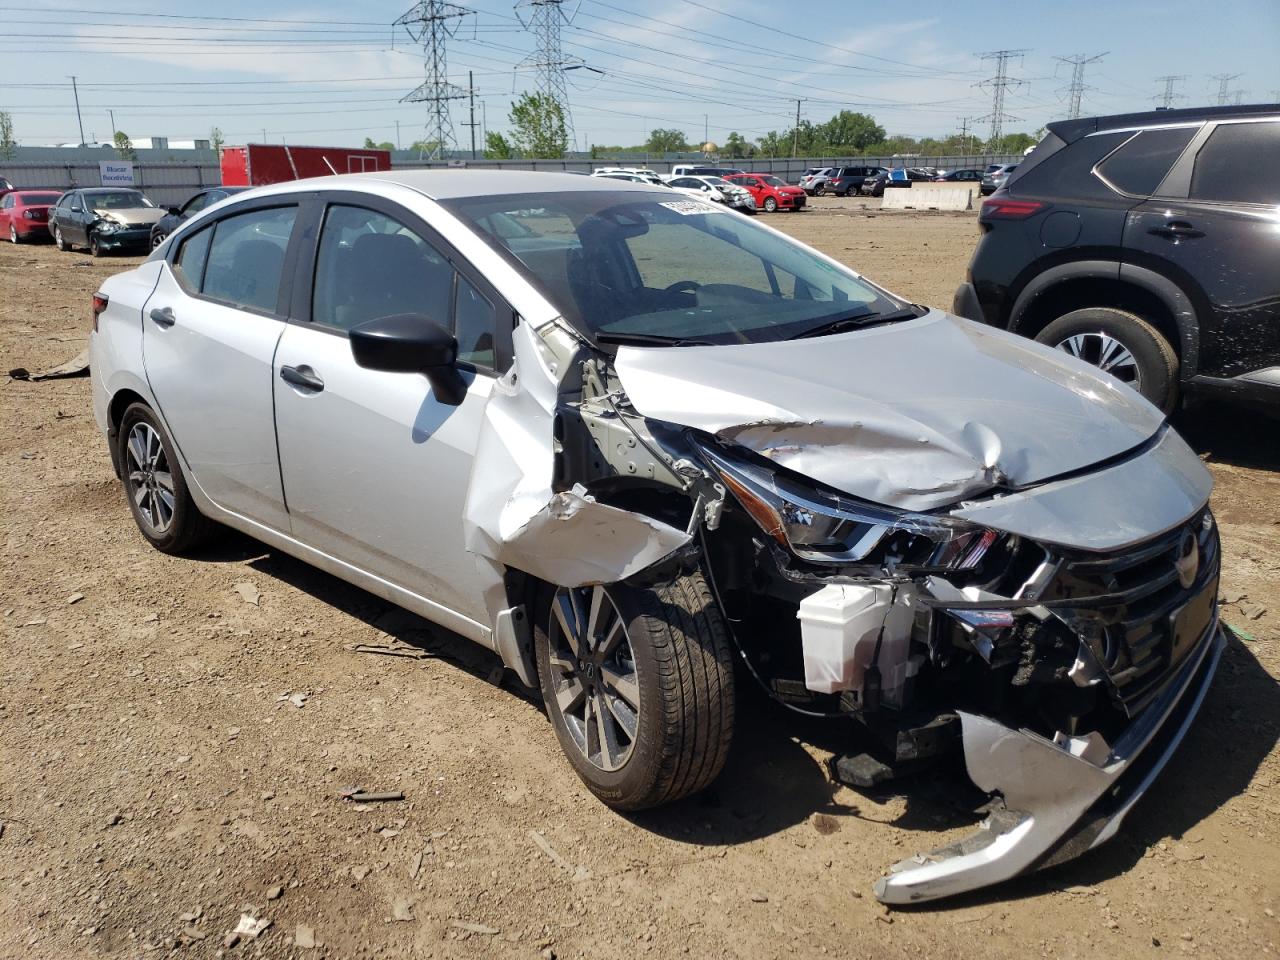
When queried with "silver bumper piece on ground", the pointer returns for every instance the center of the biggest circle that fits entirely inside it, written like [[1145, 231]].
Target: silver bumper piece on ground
[[1059, 799]]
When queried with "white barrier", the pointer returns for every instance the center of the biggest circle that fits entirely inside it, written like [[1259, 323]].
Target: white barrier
[[927, 198]]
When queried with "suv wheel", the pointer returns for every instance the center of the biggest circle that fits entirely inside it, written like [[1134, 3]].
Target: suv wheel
[[158, 496], [819, 190], [638, 684], [1124, 345]]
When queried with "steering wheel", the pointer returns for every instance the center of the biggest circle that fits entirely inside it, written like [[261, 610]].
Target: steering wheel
[[682, 285]]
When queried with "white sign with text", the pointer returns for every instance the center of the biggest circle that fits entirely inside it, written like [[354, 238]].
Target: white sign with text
[[116, 173]]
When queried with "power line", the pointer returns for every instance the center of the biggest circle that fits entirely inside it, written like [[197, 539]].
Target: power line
[[1167, 97], [435, 22], [1224, 84], [997, 85], [1077, 88]]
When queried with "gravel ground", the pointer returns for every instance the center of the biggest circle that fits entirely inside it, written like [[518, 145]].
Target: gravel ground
[[159, 781]]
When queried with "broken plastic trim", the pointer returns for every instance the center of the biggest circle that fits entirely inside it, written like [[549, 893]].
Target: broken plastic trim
[[1050, 789]]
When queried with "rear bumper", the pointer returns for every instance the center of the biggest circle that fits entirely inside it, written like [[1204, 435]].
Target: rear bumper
[[1058, 800], [965, 303]]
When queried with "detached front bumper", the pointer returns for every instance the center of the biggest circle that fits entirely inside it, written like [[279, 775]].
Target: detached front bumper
[[1059, 799], [138, 238]]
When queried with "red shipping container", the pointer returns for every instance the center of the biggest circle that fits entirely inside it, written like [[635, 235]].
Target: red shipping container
[[260, 163]]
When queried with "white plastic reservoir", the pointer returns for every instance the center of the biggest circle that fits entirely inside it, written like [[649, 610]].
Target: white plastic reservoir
[[839, 625]]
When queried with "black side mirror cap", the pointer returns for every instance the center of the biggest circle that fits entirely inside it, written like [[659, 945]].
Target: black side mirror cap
[[411, 343], [172, 211]]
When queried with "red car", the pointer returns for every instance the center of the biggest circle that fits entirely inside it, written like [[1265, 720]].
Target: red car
[[771, 193], [24, 214]]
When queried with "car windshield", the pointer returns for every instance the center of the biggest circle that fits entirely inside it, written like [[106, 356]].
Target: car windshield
[[717, 181], [39, 199], [117, 200], [642, 267], [773, 181]]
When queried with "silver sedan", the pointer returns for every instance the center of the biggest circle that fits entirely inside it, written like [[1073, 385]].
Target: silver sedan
[[629, 440]]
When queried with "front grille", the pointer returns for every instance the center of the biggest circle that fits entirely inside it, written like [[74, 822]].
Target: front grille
[[1134, 610]]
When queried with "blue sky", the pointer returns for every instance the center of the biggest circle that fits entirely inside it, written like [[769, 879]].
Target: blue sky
[[326, 72]]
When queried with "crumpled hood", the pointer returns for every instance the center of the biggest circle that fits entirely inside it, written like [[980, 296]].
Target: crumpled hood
[[132, 215], [915, 415]]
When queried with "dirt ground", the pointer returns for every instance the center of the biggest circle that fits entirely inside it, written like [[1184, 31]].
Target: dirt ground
[[158, 781]]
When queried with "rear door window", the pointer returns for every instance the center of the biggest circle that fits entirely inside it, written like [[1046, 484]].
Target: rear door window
[[246, 258], [1140, 163], [188, 265], [1239, 163]]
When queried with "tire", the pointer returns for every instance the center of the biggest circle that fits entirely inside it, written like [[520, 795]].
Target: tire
[[770, 205], [60, 243], [158, 498], [1124, 345], [95, 245], [820, 190], [672, 658], [157, 239], [13, 234]]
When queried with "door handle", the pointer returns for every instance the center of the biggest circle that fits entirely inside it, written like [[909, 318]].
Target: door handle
[[302, 377], [1176, 230], [163, 316]]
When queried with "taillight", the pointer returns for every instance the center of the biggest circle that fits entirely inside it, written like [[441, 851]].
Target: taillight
[[100, 301], [1003, 209]]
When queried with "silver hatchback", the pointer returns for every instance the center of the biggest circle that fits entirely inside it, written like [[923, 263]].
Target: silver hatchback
[[630, 440]]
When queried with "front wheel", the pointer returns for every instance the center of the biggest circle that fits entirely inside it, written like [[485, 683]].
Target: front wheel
[[157, 239], [1122, 344], [638, 684], [770, 205], [58, 240], [13, 234], [95, 245], [157, 490]]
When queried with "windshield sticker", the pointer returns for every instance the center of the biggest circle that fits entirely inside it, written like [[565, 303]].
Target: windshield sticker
[[689, 208]]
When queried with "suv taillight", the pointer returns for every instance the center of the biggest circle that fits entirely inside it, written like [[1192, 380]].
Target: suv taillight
[[998, 209], [100, 301]]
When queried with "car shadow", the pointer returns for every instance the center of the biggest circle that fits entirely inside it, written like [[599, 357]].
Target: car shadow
[[777, 775], [1231, 433]]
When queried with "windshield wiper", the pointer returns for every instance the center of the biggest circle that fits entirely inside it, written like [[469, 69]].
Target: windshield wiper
[[870, 318], [649, 340]]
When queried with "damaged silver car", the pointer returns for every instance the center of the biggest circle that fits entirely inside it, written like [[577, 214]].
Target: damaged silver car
[[645, 449]]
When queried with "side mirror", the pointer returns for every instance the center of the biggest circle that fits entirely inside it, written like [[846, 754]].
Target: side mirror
[[172, 211], [411, 343]]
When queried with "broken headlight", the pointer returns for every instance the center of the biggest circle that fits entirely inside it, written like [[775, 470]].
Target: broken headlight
[[826, 527]]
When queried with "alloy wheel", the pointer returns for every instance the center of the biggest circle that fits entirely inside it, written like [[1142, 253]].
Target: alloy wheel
[[770, 204], [158, 239], [594, 676], [150, 478], [13, 233], [1105, 352], [57, 239]]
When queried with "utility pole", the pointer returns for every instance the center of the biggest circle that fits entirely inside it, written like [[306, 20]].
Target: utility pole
[[795, 133], [997, 85], [544, 18], [1075, 92], [397, 134], [80, 123], [1240, 97], [1168, 96], [964, 132], [1224, 84], [112, 114], [471, 92], [433, 23]]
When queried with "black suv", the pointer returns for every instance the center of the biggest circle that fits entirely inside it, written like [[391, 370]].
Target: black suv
[[1146, 244]]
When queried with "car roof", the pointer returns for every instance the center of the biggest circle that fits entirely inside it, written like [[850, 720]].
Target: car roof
[[1072, 130], [454, 184]]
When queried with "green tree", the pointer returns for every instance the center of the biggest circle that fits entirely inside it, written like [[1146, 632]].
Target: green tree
[[774, 144], [849, 132], [538, 129], [496, 146], [124, 146], [385, 145], [1012, 143], [736, 146], [666, 141], [215, 139], [8, 146]]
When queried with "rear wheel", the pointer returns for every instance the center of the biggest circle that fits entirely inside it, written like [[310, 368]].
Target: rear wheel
[[638, 684], [1122, 344], [820, 189], [770, 205], [157, 239], [157, 490]]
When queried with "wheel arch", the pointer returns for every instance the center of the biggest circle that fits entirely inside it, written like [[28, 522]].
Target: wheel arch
[[1107, 283]]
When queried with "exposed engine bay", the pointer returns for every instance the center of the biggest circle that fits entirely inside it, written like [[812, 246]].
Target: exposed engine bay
[[1055, 634]]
